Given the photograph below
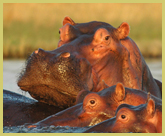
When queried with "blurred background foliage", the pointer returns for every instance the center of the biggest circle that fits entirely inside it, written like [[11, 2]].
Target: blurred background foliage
[[29, 26]]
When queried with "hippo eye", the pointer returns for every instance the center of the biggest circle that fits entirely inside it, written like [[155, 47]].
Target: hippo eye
[[123, 116], [59, 32], [107, 37], [92, 101]]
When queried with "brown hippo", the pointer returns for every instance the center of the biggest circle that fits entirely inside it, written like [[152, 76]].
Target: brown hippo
[[96, 107], [18, 109], [87, 53], [145, 118]]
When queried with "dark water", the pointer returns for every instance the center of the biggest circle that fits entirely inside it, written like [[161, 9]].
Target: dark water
[[49, 129], [11, 70]]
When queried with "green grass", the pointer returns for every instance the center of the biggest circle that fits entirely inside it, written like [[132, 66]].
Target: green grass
[[21, 39], [28, 27]]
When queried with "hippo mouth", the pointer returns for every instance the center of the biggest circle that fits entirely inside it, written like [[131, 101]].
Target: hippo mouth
[[100, 118], [50, 95], [31, 88], [55, 79]]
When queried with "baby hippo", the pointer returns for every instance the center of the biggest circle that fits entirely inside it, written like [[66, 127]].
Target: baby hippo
[[145, 118], [96, 107]]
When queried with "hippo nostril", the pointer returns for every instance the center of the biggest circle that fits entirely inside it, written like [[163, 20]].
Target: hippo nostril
[[36, 51], [65, 55], [39, 51]]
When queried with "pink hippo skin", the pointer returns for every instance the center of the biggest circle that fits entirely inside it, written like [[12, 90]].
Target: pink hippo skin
[[87, 53], [145, 118], [96, 107]]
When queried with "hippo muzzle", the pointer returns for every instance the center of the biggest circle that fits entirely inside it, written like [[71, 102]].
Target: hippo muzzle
[[55, 78]]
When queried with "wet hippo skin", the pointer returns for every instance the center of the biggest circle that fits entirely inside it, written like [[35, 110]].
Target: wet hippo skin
[[145, 118], [87, 54], [97, 107], [18, 109]]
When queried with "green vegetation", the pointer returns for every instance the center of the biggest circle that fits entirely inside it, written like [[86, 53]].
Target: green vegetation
[[28, 27], [20, 39]]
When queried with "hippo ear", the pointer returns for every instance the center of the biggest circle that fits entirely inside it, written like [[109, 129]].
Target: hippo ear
[[150, 107], [119, 92], [68, 20], [123, 30]]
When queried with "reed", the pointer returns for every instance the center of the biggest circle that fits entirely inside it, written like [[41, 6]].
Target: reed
[[27, 27]]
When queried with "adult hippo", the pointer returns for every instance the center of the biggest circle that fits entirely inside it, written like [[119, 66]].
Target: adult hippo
[[87, 53], [18, 109], [145, 118], [97, 107]]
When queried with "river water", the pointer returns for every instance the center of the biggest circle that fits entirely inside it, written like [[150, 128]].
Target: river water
[[11, 70]]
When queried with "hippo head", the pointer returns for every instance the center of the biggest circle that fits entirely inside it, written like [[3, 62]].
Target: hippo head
[[56, 78], [87, 54], [140, 118], [145, 118], [94, 107], [92, 111]]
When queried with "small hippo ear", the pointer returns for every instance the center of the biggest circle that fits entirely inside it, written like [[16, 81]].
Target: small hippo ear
[[68, 20], [150, 107], [119, 92], [123, 31]]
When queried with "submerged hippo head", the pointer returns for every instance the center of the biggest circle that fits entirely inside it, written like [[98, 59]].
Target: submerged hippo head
[[96, 107], [145, 118], [87, 53]]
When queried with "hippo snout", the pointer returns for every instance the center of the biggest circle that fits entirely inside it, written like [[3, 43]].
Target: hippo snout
[[42, 53], [55, 77]]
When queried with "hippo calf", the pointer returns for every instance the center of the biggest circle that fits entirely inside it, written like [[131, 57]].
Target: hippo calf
[[145, 118], [96, 107], [87, 53]]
